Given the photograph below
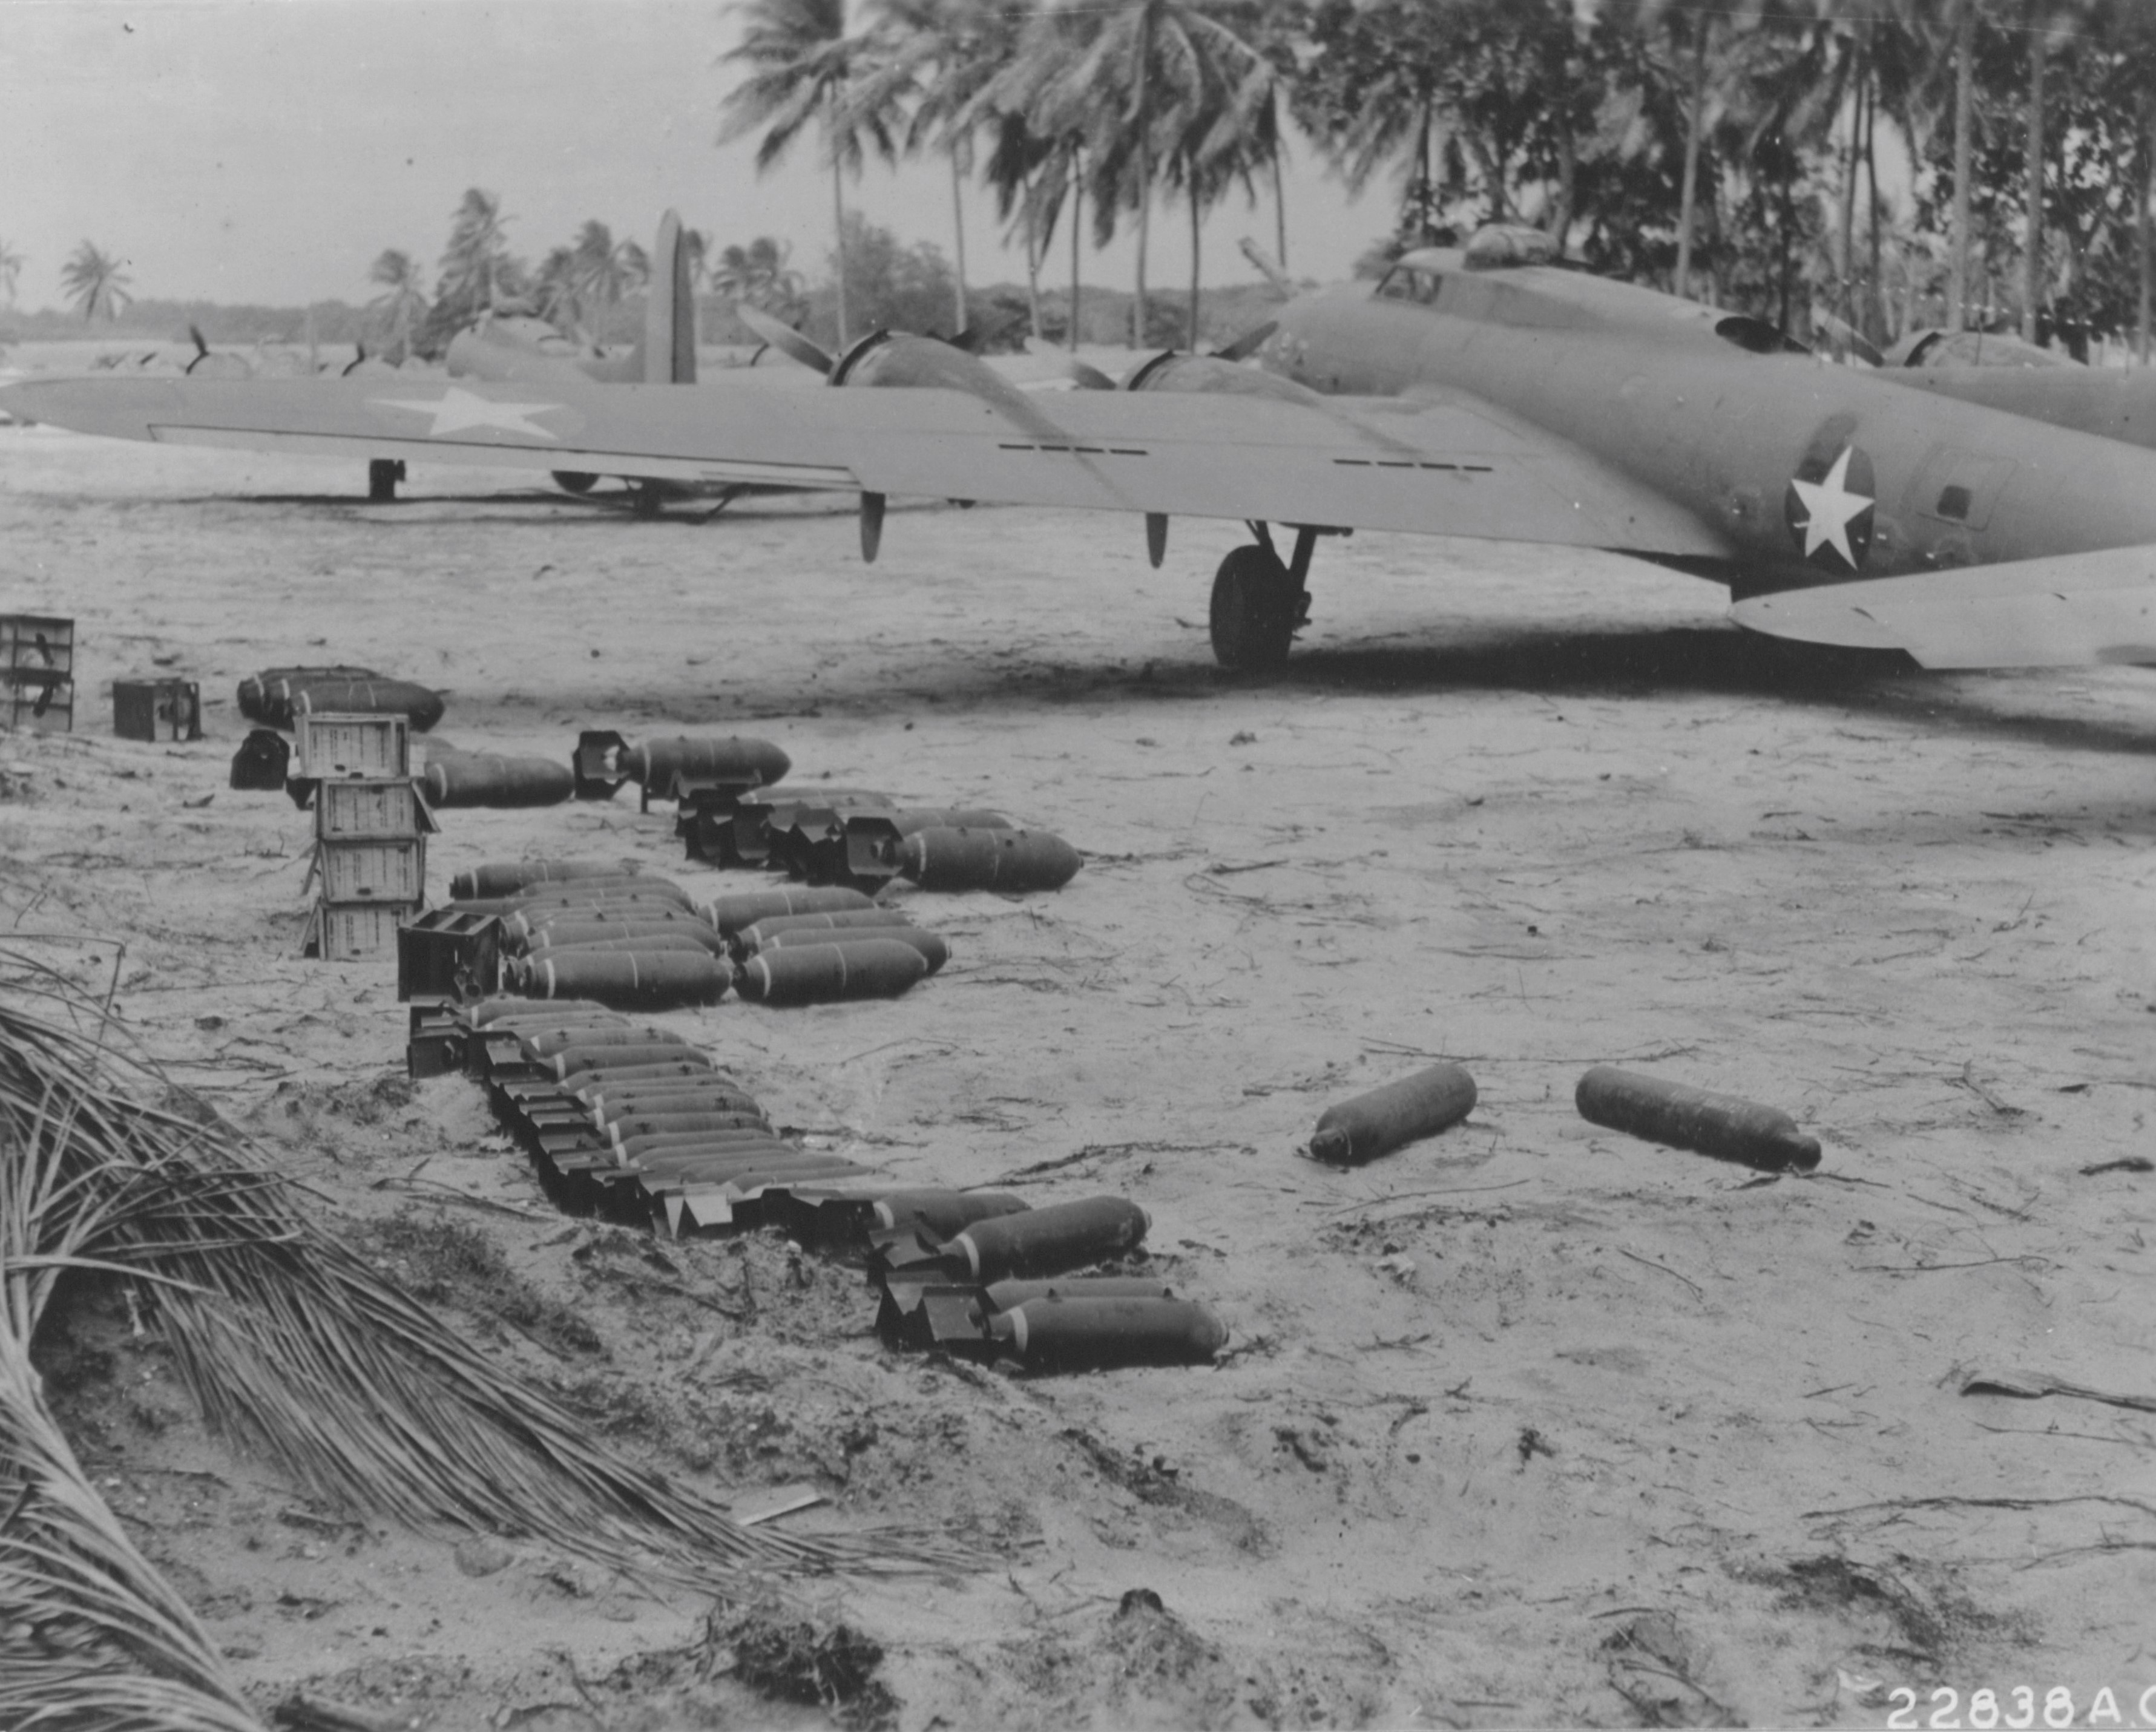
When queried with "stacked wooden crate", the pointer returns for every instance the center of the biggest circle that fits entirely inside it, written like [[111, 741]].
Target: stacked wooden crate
[[371, 830]]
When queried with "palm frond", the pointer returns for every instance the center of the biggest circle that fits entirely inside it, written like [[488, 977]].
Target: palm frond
[[293, 1345]]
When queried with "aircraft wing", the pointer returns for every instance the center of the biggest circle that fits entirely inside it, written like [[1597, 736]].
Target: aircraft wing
[[2066, 611], [1450, 466]]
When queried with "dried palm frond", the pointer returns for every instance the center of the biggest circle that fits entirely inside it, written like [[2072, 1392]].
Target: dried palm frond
[[90, 1634], [293, 1344]]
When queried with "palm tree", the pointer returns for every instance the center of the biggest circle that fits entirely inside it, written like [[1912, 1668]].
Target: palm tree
[[1130, 80], [95, 281], [605, 268], [757, 273], [1370, 95], [11, 268], [938, 55], [803, 70], [478, 273], [402, 303], [556, 289]]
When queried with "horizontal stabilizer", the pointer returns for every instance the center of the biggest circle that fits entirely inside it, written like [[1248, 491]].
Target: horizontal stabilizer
[[2069, 611]]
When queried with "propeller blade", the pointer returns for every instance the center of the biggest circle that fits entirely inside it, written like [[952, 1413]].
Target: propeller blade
[[1848, 337], [784, 338], [1156, 537], [1249, 343], [1088, 378], [1267, 268], [872, 525]]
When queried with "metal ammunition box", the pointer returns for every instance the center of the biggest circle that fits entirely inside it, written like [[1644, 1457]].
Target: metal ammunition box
[[445, 950], [157, 708]]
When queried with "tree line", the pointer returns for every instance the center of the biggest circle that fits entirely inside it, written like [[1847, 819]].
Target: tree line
[[1724, 149]]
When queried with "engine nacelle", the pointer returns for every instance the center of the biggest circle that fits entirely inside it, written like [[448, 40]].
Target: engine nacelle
[[896, 359], [1175, 371]]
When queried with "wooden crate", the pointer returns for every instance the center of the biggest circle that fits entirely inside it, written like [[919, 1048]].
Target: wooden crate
[[331, 745], [347, 932], [371, 806], [388, 870], [37, 673]]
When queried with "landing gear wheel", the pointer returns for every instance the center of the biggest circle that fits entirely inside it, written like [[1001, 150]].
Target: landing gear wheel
[[383, 475], [1256, 606], [574, 480]]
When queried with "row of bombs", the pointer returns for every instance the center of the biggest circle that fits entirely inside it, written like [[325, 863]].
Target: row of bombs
[[636, 1124], [1726, 1126], [982, 1275], [637, 941], [626, 1120]]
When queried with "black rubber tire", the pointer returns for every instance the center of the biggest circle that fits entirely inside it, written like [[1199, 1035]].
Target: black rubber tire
[[574, 480], [1255, 610], [383, 475]]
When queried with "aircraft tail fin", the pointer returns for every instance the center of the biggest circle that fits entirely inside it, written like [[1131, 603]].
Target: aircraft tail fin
[[668, 347], [2070, 610]]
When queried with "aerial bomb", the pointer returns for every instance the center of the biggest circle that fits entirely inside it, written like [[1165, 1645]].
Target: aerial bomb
[[982, 859], [283, 698], [505, 878], [623, 1126], [690, 1062], [617, 886], [643, 980], [471, 778], [481, 1012], [1097, 1334], [1008, 1296], [583, 925], [1378, 1123], [542, 943], [543, 1040], [826, 973], [1050, 1241], [711, 1089], [745, 907], [261, 695], [656, 763], [572, 1061], [749, 939], [1724, 1125], [934, 950], [941, 1213]]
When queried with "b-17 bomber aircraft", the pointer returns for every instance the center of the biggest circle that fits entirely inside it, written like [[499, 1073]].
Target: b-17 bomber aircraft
[[1484, 392]]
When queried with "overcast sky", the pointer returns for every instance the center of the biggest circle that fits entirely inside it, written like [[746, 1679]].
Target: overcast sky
[[267, 151]]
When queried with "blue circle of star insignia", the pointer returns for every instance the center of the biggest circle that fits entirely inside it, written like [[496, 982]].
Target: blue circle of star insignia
[[1829, 508]]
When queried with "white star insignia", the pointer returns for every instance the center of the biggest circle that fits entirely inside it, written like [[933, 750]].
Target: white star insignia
[[1829, 509], [457, 410]]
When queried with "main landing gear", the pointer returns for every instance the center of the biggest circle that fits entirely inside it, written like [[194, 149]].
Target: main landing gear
[[383, 475], [1258, 603]]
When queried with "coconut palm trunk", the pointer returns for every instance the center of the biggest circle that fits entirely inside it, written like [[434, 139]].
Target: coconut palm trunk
[[2032, 251], [1689, 198], [1142, 72], [1280, 209], [1190, 165], [839, 215], [1964, 97], [2141, 240], [958, 241], [1077, 211]]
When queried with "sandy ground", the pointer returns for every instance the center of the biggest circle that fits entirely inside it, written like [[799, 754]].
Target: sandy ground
[[1528, 1424]]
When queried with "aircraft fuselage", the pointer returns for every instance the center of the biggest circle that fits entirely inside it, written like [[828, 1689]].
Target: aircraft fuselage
[[1810, 473]]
